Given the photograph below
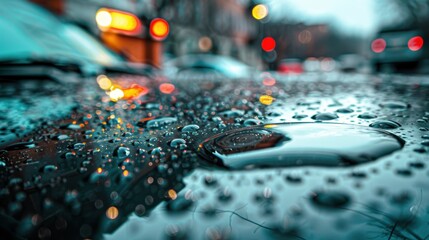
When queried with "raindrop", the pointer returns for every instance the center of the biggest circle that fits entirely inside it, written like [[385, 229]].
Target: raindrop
[[233, 113], [121, 152], [20, 146], [367, 116], [404, 172], [330, 199], [252, 122], [175, 143], [157, 152], [298, 144], [140, 210], [49, 168], [417, 165], [79, 146], [345, 110], [425, 143], [224, 195], [394, 105], [325, 116], [175, 232], [293, 179], [190, 128], [385, 124], [210, 181], [60, 137], [160, 122], [401, 198], [70, 155], [180, 204], [71, 127], [299, 116]]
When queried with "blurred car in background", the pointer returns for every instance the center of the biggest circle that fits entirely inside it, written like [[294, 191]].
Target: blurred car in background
[[207, 65], [400, 47], [311, 64], [290, 66], [351, 62], [43, 40]]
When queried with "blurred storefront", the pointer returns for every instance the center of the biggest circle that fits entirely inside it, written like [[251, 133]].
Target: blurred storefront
[[222, 27]]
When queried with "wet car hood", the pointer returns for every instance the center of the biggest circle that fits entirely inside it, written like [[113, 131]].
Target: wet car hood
[[222, 159]]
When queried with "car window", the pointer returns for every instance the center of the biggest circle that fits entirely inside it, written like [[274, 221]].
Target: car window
[[16, 41], [26, 36], [89, 47]]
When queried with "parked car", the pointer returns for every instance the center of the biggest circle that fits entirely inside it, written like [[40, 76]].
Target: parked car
[[400, 47], [290, 66], [208, 65]]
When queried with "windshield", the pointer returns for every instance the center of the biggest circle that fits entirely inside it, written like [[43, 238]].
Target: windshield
[[30, 31]]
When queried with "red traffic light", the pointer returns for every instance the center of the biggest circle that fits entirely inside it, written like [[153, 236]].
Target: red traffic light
[[159, 29], [268, 44]]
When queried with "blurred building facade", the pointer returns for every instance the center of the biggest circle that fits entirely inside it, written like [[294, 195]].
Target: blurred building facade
[[222, 27], [218, 26], [298, 40]]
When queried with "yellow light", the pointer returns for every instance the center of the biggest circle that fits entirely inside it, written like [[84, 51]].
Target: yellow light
[[110, 19], [123, 21], [112, 212], [104, 82], [172, 194], [103, 18], [116, 94], [167, 88], [99, 170], [266, 99], [271, 126], [259, 11], [126, 173]]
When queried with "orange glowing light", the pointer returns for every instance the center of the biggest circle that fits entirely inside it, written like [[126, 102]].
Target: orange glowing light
[[112, 212], [167, 88], [269, 81], [99, 170], [126, 173], [111, 19], [172, 194], [159, 29], [134, 91], [266, 99]]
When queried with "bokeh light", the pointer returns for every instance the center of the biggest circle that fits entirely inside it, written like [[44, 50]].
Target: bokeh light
[[259, 12], [104, 82], [266, 99], [103, 18], [112, 212], [268, 44], [167, 88], [159, 29], [113, 19]]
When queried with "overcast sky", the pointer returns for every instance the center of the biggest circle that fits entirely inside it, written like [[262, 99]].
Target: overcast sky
[[350, 16]]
